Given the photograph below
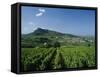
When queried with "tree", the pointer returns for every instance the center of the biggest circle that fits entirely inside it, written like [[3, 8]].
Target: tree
[[56, 44], [89, 44]]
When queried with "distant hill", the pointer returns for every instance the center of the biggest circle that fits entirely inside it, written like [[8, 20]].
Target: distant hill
[[41, 36], [46, 32]]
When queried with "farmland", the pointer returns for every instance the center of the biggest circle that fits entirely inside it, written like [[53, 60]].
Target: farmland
[[35, 59], [50, 50]]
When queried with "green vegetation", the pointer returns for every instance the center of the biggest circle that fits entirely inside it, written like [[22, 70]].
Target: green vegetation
[[57, 58], [48, 50]]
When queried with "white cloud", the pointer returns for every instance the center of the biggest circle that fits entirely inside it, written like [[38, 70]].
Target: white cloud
[[32, 26], [39, 14], [41, 10], [31, 23]]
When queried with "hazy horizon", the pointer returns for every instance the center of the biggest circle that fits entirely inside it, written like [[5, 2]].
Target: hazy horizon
[[61, 32], [71, 21]]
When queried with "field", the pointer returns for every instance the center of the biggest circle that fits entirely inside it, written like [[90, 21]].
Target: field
[[50, 50], [39, 58]]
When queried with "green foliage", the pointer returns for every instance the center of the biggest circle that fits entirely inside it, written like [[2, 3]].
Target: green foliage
[[47, 50], [56, 44], [80, 56], [34, 59]]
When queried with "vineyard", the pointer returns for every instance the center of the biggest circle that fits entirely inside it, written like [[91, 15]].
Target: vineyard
[[36, 59]]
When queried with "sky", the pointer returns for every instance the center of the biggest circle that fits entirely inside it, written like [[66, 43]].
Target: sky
[[72, 21]]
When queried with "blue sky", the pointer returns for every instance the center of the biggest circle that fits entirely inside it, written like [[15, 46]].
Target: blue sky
[[72, 21]]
